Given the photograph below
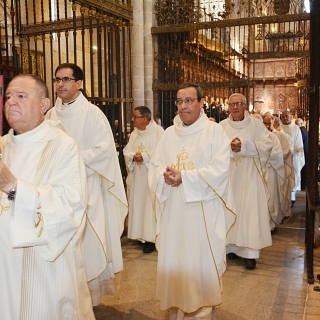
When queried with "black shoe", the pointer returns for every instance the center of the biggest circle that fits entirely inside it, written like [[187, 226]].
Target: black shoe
[[250, 264], [149, 247], [292, 203], [232, 256]]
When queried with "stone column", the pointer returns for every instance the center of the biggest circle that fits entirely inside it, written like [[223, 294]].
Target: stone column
[[148, 53], [137, 53], [142, 53]]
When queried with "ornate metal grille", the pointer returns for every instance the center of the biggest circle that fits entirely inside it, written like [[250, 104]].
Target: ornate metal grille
[[226, 47], [93, 34], [37, 36]]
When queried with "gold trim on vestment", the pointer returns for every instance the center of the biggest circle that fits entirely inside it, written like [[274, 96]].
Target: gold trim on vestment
[[260, 172], [225, 204], [281, 193], [2, 208], [208, 238], [109, 188]]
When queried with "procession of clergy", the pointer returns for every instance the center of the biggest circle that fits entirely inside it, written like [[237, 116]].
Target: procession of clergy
[[197, 192]]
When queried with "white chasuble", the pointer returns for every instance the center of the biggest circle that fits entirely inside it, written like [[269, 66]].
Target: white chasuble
[[289, 171], [141, 219], [296, 143], [192, 219], [42, 269], [275, 178], [107, 203], [247, 179]]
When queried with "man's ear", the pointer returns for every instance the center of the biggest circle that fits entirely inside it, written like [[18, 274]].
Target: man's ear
[[45, 105], [79, 84]]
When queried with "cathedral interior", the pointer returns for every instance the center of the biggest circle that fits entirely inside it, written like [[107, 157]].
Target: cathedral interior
[[138, 52]]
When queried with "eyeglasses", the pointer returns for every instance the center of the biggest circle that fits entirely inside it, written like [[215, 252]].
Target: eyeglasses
[[64, 80], [188, 101], [238, 104], [137, 117]]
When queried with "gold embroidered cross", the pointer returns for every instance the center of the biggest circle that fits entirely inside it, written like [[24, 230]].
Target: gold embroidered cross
[[141, 148], [237, 159]]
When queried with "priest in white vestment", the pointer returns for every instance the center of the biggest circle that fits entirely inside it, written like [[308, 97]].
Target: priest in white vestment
[[275, 177], [42, 213], [288, 165], [107, 204], [188, 176], [296, 142], [250, 148], [137, 153]]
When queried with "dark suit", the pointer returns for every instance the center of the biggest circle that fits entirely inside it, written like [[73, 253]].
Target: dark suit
[[304, 134]]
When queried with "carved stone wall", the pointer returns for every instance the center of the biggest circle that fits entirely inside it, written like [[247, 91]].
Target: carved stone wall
[[274, 69], [275, 90], [275, 98]]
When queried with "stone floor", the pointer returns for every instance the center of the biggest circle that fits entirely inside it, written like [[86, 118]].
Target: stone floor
[[276, 289]]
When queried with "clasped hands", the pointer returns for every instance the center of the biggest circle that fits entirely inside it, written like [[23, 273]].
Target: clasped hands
[[172, 177], [138, 157], [236, 145]]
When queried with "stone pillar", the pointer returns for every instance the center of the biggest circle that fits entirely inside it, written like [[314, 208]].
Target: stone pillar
[[142, 53], [137, 53], [148, 53]]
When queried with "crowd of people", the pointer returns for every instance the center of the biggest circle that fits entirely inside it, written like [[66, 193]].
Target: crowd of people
[[197, 192]]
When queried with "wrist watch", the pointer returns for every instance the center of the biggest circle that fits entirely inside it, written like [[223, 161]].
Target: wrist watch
[[12, 193]]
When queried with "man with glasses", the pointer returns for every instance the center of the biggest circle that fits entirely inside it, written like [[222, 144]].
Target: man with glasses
[[250, 147], [107, 204], [138, 152], [188, 177]]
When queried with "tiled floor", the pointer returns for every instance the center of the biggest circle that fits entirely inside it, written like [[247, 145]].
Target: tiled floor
[[276, 289]]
